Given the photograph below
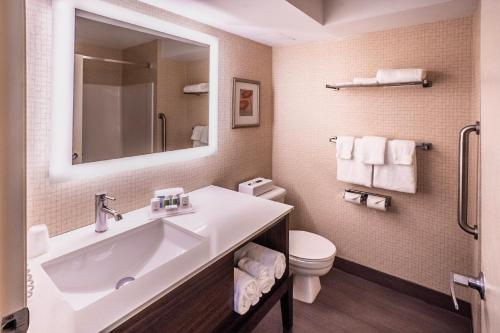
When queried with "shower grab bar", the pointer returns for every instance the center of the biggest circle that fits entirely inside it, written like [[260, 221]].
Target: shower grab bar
[[463, 179], [163, 119], [423, 145], [115, 61]]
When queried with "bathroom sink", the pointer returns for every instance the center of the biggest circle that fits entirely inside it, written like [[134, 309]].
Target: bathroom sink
[[126, 267]]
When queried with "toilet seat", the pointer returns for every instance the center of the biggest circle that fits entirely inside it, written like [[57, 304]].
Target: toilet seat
[[309, 247]]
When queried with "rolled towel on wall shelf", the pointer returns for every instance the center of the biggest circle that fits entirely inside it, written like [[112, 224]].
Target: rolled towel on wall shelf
[[391, 75]]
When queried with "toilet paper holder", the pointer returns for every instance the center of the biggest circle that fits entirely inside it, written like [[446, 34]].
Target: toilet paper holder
[[364, 196]]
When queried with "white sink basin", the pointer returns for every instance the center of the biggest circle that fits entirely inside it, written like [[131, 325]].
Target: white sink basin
[[125, 267]]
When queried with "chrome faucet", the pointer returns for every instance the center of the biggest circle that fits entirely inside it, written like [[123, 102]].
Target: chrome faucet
[[102, 211]]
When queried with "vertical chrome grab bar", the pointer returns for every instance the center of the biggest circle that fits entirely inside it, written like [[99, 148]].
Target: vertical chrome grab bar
[[163, 119], [463, 179]]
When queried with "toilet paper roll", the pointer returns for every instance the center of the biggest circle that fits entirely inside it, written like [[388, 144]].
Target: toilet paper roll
[[351, 197], [376, 202], [38, 240]]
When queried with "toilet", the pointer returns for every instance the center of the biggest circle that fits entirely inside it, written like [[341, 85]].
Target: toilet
[[310, 256]]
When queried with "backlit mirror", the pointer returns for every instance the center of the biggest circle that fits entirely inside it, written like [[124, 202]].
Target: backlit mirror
[[129, 91], [136, 92]]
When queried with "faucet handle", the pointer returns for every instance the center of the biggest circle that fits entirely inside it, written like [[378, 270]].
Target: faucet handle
[[103, 196]]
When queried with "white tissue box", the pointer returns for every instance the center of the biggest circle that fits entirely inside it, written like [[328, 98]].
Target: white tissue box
[[256, 186]]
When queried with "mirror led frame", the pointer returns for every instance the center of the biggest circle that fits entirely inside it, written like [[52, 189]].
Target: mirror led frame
[[63, 39]]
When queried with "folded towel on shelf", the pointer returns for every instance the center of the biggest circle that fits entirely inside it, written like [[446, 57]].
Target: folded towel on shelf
[[264, 279], [199, 88], [197, 143], [245, 291], [373, 150], [396, 177], [402, 151], [354, 171], [197, 130], [204, 135], [365, 80], [275, 261], [400, 75], [345, 144]]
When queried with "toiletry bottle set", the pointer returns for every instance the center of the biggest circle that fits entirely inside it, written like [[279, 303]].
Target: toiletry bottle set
[[170, 201]]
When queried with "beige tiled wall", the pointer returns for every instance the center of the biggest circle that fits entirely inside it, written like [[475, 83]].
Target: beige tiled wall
[[243, 153], [418, 239]]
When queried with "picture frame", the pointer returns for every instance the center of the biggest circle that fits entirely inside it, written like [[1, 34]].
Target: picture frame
[[246, 103]]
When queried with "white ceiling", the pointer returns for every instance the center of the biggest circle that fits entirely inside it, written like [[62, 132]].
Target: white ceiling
[[287, 22]]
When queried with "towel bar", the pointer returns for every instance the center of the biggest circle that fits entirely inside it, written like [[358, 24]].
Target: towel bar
[[423, 145]]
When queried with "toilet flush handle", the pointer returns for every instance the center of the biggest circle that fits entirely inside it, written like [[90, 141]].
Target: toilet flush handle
[[476, 283]]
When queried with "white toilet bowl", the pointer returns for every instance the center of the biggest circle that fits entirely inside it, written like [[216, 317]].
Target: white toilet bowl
[[311, 256]]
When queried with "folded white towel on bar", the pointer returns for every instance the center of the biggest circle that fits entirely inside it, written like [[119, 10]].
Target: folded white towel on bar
[[245, 291], [365, 80], [345, 145], [400, 75], [373, 150], [402, 151], [275, 261], [204, 135], [261, 273], [396, 177], [197, 131], [354, 171], [199, 88]]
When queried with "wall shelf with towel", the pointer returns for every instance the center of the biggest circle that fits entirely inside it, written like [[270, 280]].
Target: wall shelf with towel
[[423, 83], [423, 145]]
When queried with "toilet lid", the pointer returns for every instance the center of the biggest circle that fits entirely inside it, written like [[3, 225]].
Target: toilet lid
[[310, 246]]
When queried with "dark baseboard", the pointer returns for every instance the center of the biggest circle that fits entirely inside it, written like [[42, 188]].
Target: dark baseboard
[[425, 294]]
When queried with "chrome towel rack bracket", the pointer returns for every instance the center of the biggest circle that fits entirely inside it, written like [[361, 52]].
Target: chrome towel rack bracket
[[422, 145]]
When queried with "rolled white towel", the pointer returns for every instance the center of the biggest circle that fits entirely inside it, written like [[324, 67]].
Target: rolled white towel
[[400, 75], [275, 261], [196, 88], [265, 280], [246, 291], [365, 80]]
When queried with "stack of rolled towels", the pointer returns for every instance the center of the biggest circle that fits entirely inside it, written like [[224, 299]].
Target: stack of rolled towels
[[255, 274]]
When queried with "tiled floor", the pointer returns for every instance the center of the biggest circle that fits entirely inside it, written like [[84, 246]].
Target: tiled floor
[[348, 303]]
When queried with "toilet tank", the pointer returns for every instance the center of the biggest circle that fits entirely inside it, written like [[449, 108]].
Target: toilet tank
[[276, 194]]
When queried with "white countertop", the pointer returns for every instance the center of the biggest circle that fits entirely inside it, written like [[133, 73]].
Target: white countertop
[[226, 218]]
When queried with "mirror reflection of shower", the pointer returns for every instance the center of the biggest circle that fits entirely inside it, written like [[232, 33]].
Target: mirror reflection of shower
[[136, 92]]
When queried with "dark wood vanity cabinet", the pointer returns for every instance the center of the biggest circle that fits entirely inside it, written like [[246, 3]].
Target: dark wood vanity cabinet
[[204, 303]]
